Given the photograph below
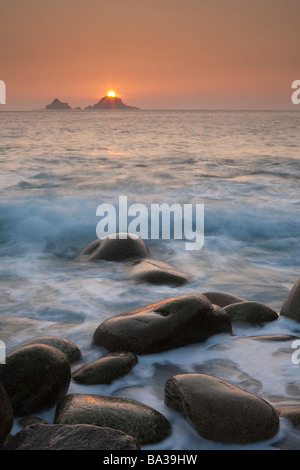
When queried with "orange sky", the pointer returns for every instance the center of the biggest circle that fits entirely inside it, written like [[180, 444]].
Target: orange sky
[[179, 54]]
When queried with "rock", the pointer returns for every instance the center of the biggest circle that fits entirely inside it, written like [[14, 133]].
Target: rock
[[220, 411], [6, 413], [163, 325], [56, 104], [35, 378], [250, 312], [66, 346], [222, 299], [108, 102], [291, 413], [291, 305], [29, 420], [145, 424], [106, 369], [114, 249], [75, 437], [271, 337], [157, 272]]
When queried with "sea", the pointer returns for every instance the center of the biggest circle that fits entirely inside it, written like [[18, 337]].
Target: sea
[[243, 167]]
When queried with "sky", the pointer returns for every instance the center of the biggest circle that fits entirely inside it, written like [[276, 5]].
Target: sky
[[158, 54]]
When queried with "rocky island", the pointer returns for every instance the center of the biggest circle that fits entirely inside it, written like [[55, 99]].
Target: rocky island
[[57, 104], [110, 102]]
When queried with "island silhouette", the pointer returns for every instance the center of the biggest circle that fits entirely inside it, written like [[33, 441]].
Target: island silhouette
[[107, 102]]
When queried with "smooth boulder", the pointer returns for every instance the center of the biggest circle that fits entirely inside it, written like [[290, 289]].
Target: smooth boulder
[[291, 304], [75, 437], [222, 299], [66, 346], [6, 413], [115, 247], [142, 422], [106, 369], [250, 312], [220, 411], [163, 325], [157, 273], [35, 378]]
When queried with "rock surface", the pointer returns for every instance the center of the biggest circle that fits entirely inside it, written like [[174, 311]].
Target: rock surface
[[220, 411], [114, 249], [291, 305], [35, 378], [163, 325], [106, 369], [66, 346], [6, 413], [130, 416], [222, 299], [250, 312], [65, 437], [157, 272]]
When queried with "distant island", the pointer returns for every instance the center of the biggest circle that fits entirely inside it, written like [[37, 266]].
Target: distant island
[[107, 102]]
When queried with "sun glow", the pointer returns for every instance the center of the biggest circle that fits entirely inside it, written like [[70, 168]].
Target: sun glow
[[111, 94]]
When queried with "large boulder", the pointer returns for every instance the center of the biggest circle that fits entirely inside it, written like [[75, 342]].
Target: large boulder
[[291, 305], [157, 272], [6, 414], [250, 312], [65, 437], [222, 299], [130, 416], [163, 325], [116, 247], [106, 369], [220, 411], [66, 346], [35, 378]]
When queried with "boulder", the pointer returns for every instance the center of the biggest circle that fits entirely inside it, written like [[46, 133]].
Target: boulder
[[142, 422], [291, 305], [66, 346], [74, 437], [6, 413], [220, 411], [291, 413], [117, 247], [106, 369], [157, 272], [250, 312], [35, 378], [222, 299], [163, 325]]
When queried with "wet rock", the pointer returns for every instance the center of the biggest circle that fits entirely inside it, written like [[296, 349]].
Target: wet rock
[[6, 413], [75, 437], [251, 312], [220, 411], [119, 248], [35, 378], [222, 299], [66, 346], [271, 337], [157, 272], [106, 369], [291, 413], [162, 325], [130, 416], [29, 420], [291, 305]]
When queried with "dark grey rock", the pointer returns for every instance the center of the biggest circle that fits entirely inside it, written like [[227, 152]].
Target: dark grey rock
[[291, 413], [114, 249], [163, 325], [130, 416], [66, 437], [106, 369], [157, 272], [6, 412], [291, 305], [220, 411], [222, 299], [35, 378], [251, 312], [66, 346]]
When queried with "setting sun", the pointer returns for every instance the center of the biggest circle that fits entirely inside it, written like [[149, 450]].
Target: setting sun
[[111, 94]]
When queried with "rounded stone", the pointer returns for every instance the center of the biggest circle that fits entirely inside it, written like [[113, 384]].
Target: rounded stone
[[74, 437], [251, 312], [220, 411], [222, 299], [116, 247], [291, 305], [35, 378], [157, 273], [163, 325], [142, 422], [106, 369], [71, 351], [6, 413]]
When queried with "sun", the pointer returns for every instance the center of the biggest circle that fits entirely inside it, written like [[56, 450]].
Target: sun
[[111, 94]]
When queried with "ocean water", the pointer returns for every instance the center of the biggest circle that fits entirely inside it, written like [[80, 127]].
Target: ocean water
[[244, 167]]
